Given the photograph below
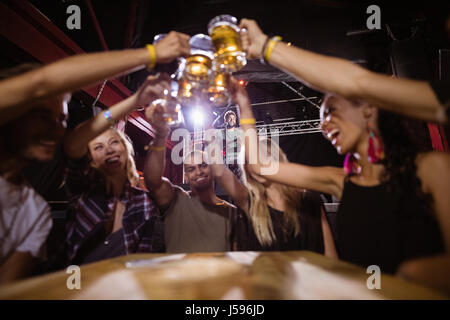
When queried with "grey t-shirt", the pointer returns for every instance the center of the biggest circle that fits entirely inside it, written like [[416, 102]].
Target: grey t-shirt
[[193, 226]]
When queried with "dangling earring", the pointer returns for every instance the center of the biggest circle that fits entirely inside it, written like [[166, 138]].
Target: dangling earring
[[375, 151], [351, 164]]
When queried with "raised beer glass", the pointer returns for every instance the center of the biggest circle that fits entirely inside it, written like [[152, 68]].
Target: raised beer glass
[[196, 72], [224, 32], [172, 109], [219, 95]]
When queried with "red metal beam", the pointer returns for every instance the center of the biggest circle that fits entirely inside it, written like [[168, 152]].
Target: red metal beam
[[96, 24], [131, 24], [27, 29], [444, 136], [130, 29], [438, 138]]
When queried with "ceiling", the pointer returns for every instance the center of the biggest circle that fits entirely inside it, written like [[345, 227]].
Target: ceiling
[[318, 25], [326, 26]]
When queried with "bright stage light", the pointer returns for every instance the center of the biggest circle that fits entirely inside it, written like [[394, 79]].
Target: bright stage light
[[197, 117]]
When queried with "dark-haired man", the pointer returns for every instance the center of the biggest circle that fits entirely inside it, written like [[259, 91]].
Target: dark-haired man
[[195, 221]]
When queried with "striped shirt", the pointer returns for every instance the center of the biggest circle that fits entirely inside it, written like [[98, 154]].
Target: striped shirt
[[90, 211]]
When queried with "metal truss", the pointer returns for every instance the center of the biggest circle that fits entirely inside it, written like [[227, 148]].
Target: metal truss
[[298, 92], [286, 128], [289, 128]]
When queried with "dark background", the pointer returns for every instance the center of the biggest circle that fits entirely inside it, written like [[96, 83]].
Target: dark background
[[407, 45]]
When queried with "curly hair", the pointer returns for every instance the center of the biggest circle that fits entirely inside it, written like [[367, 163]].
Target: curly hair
[[401, 150], [225, 116]]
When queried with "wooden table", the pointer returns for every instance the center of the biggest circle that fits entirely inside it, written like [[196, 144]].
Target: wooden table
[[235, 275]]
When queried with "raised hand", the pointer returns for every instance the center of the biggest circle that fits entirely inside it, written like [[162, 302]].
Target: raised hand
[[174, 45], [155, 114], [252, 38], [239, 94], [153, 88]]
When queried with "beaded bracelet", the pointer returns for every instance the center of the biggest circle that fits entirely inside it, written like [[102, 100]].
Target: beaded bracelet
[[108, 116]]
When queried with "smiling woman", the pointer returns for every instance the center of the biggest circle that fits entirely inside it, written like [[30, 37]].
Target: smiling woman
[[108, 214], [110, 197], [112, 154], [394, 203], [33, 110]]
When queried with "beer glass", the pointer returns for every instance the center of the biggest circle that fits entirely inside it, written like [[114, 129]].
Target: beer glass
[[219, 95], [198, 68], [224, 32], [195, 72], [172, 109]]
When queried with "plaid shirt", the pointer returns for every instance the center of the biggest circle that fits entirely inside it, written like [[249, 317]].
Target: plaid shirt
[[90, 209]]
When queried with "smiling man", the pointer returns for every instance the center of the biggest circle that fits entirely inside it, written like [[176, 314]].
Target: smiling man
[[195, 221], [25, 215]]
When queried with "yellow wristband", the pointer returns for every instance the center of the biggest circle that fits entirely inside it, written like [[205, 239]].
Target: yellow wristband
[[152, 53], [247, 121], [158, 148], [270, 46]]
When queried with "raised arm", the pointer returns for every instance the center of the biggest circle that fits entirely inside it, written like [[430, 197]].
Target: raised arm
[[227, 179], [18, 94], [159, 187], [322, 179], [329, 74], [234, 188], [76, 142]]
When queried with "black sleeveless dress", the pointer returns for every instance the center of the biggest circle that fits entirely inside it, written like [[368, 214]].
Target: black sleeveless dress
[[309, 238], [371, 232]]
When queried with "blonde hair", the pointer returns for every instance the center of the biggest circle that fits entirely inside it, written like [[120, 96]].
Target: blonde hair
[[132, 175], [259, 213]]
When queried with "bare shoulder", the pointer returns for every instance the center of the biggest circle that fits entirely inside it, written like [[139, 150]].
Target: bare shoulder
[[164, 187], [178, 189], [164, 194], [432, 167], [166, 180], [226, 204], [433, 161]]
